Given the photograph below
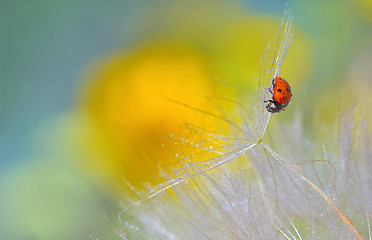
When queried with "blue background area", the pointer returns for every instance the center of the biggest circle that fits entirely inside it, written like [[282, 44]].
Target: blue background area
[[45, 47]]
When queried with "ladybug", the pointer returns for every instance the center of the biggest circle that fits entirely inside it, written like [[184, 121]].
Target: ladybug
[[282, 95]]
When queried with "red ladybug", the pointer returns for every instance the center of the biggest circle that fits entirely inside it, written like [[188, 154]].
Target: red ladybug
[[282, 95]]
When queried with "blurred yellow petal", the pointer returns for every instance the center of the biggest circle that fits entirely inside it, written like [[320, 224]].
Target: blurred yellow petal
[[128, 99]]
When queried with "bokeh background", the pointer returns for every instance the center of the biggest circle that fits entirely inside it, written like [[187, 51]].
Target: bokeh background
[[83, 87]]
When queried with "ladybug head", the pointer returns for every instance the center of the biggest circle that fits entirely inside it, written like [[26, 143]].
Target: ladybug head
[[273, 106]]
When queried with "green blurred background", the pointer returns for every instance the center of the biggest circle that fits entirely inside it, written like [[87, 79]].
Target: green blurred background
[[49, 53]]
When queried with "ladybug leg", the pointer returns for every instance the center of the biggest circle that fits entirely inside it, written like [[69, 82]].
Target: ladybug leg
[[270, 101], [273, 83], [271, 91]]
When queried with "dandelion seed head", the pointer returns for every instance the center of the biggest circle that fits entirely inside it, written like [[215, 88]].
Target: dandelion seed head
[[256, 182]]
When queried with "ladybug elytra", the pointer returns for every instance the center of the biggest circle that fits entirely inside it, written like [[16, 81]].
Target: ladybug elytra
[[282, 95]]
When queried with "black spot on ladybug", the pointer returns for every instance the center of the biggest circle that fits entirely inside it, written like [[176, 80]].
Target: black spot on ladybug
[[279, 90], [288, 90]]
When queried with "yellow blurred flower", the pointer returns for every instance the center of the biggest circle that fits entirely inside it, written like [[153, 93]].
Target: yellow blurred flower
[[128, 99]]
